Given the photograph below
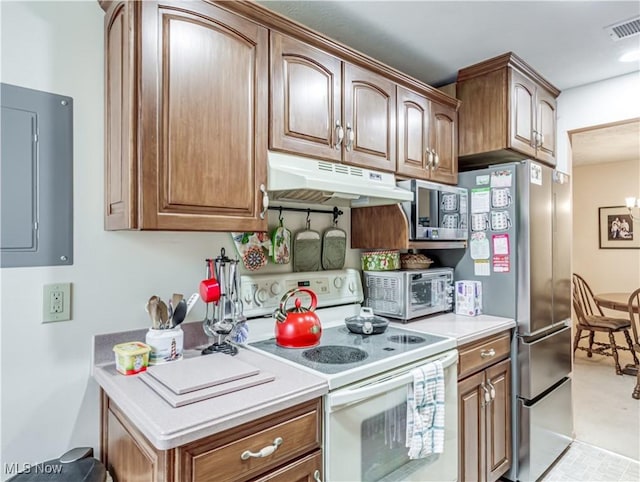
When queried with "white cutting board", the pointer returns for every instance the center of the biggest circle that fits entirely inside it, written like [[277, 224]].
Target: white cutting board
[[204, 393], [191, 374]]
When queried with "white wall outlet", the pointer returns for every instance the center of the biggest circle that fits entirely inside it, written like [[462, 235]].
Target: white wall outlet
[[56, 302]]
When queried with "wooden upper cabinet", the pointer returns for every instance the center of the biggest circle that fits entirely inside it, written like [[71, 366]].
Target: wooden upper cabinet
[[444, 139], [306, 98], [201, 131], [546, 125], [325, 108], [370, 119], [523, 110], [120, 190], [508, 113], [427, 138], [413, 118]]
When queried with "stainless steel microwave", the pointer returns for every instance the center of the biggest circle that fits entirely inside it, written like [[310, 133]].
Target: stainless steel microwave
[[438, 212], [408, 294]]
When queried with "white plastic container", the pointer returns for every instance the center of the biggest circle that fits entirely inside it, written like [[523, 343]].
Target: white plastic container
[[468, 298], [166, 345]]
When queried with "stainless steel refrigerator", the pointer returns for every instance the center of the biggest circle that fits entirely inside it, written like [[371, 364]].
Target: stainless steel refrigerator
[[520, 249]]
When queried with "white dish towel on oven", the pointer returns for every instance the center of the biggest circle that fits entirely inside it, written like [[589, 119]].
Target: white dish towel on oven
[[425, 411]]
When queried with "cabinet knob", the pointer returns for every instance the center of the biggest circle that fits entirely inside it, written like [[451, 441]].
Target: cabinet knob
[[492, 390], [429, 154], [487, 395], [488, 353], [436, 159], [339, 135], [350, 138], [316, 476], [265, 201], [264, 452]]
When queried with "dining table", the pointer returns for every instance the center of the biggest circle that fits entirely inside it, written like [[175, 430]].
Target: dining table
[[619, 302], [615, 301]]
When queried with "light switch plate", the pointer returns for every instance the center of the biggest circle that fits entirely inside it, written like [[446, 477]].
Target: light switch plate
[[56, 302]]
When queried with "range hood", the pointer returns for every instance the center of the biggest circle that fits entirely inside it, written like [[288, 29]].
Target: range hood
[[309, 181]]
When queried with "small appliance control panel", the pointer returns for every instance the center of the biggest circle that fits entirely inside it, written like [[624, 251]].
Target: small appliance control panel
[[261, 294]]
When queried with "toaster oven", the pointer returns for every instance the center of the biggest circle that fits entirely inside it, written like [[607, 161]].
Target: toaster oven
[[409, 294]]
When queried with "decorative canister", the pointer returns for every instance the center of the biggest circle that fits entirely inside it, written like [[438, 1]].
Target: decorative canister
[[166, 345], [380, 260]]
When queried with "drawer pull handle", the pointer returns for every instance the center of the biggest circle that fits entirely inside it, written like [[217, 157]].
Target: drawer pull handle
[[487, 353], [316, 476], [264, 452]]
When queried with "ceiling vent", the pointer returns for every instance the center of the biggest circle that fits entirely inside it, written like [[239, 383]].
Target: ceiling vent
[[626, 29]]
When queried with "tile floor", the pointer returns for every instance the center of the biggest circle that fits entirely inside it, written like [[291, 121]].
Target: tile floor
[[584, 462], [606, 424]]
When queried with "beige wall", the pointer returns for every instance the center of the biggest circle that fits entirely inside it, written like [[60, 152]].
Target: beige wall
[[595, 186]]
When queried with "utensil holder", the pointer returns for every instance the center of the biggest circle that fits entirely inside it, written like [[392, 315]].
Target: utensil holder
[[166, 345]]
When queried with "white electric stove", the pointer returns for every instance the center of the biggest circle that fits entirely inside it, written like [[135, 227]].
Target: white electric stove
[[365, 410]]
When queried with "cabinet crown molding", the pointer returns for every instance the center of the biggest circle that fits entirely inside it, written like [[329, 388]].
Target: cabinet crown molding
[[508, 59]]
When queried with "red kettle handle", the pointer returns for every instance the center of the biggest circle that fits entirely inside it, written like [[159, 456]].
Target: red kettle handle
[[291, 292]]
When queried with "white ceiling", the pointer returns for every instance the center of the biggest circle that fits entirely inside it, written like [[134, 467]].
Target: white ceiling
[[565, 41], [616, 143]]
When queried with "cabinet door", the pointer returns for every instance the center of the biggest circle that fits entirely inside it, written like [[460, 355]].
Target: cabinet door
[[413, 134], [522, 113], [120, 157], [471, 423], [498, 439], [546, 126], [204, 82], [444, 135], [370, 118], [305, 99]]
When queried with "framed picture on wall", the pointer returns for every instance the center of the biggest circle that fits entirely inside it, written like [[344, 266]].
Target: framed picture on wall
[[617, 229]]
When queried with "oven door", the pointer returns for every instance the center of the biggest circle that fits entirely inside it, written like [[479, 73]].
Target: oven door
[[365, 429], [426, 294]]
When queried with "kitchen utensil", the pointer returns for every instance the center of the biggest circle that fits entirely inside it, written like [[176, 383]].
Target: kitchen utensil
[[366, 323], [281, 243], [307, 246], [179, 313], [163, 314], [334, 247], [191, 302], [297, 327], [210, 288], [152, 309]]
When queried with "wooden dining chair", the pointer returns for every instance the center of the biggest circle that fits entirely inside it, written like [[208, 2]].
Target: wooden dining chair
[[592, 319], [634, 316]]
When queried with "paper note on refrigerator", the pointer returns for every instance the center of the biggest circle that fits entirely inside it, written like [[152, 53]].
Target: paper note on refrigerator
[[500, 244], [480, 200], [481, 267], [479, 246]]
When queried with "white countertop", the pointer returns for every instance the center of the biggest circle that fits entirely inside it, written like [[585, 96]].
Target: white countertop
[[464, 329], [167, 427]]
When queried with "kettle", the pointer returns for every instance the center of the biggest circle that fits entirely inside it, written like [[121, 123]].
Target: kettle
[[297, 327]]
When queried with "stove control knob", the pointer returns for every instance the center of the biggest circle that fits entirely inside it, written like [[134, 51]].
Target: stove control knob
[[261, 296], [275, 288], [352, 287], [338, 282]]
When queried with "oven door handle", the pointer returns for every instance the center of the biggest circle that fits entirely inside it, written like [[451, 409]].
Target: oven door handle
[[345, 397]]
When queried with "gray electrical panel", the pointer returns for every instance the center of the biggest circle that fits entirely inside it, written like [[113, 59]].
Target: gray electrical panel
[[36, 175]]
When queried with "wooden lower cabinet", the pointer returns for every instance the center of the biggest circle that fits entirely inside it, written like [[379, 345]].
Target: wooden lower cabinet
[[295, 433], [484, 405]]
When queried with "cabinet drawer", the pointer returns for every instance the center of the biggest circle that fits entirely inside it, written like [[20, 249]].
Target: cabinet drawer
[[482, 353], [292, 433]]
